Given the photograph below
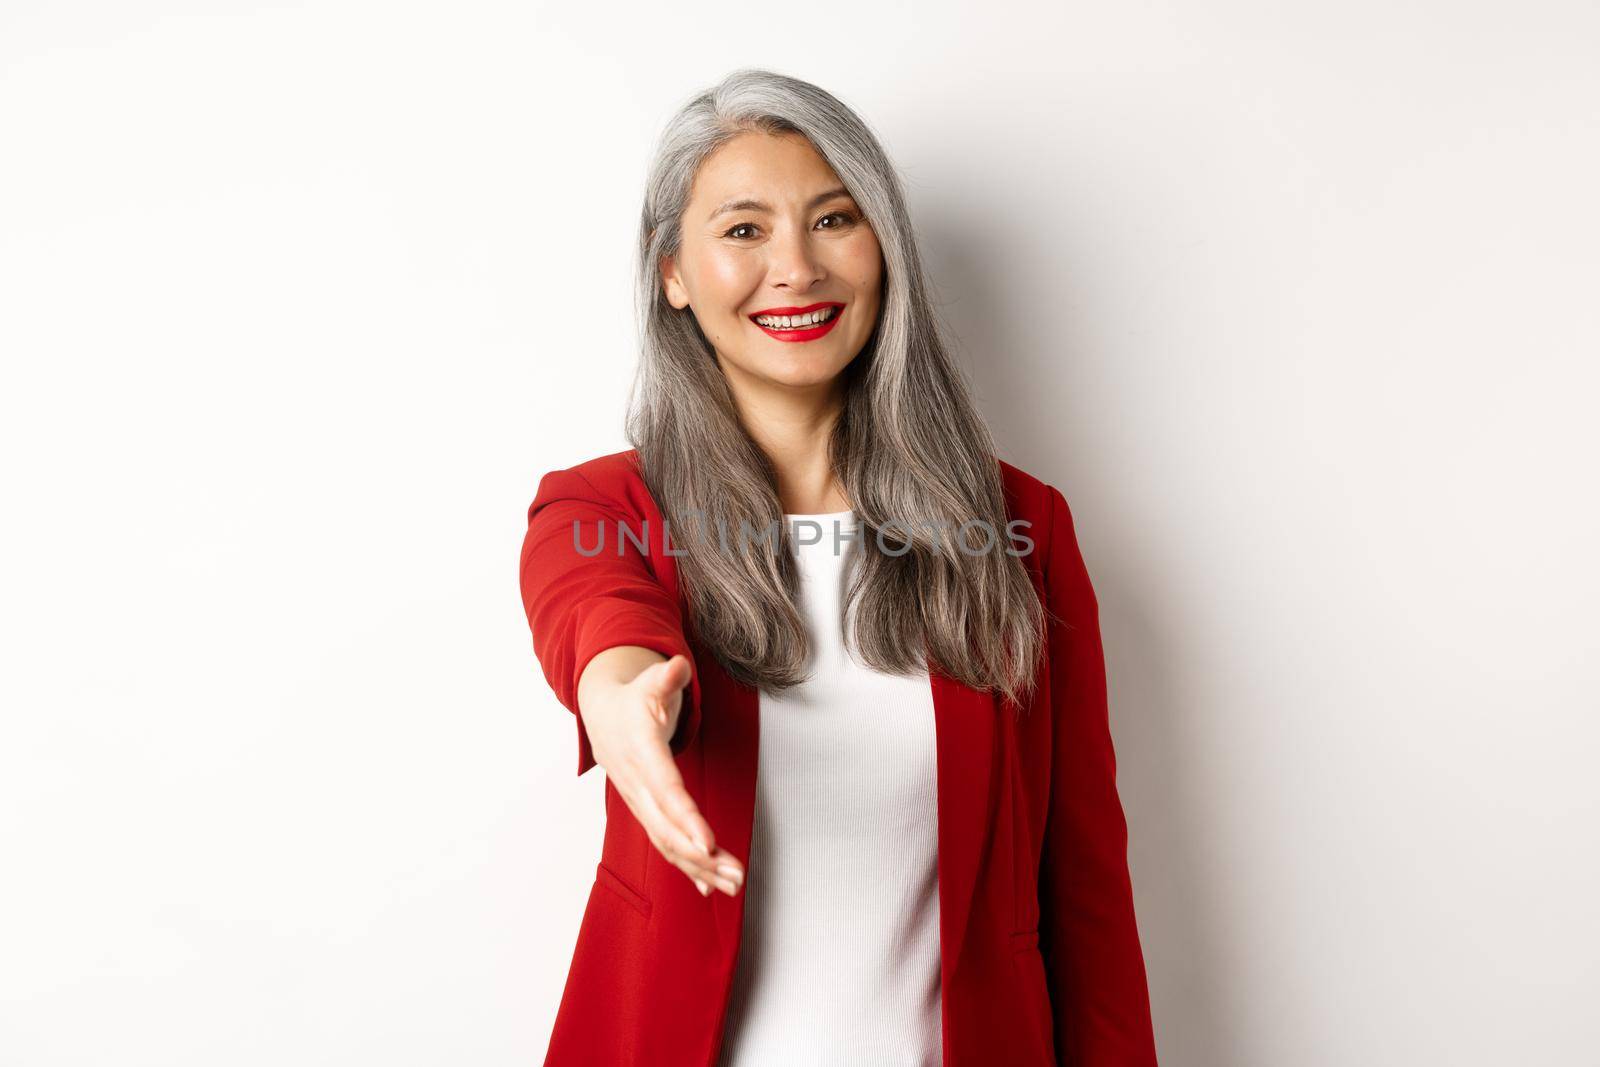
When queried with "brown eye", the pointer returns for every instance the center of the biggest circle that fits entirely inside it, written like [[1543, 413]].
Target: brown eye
[[845, 215], [741, 226]]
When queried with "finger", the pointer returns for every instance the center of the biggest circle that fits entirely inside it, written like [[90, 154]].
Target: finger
[[678, 805], [667, 838], [659, 775], [664, 784], [677, 849]]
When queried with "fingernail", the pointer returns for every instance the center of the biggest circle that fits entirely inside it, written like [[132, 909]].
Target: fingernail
[[733, 874], [705, 849], [705, 890]]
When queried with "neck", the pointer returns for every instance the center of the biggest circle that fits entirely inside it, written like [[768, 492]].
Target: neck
[[793, 427]]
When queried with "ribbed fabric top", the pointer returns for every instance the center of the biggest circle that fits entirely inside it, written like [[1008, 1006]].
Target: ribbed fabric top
[[839, 957]]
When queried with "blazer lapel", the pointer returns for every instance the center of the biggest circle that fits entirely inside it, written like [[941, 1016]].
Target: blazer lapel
[[730, 741], [965, 721]]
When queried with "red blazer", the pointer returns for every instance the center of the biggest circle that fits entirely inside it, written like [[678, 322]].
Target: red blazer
[[1041, 963]]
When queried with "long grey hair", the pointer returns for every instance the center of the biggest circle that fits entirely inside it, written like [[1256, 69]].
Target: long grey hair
[[908, 446]]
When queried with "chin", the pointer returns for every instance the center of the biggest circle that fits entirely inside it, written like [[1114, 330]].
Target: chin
[[802, 374]]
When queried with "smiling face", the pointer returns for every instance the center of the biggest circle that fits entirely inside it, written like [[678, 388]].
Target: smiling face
[[769, 232]]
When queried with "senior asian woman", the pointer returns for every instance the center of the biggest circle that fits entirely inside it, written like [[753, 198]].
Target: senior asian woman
[[812, 563]]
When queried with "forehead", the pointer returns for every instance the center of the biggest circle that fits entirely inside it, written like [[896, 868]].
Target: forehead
[[762, 166]]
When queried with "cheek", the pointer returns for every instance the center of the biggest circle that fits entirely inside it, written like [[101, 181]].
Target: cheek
[[863, 265], [726, 277]]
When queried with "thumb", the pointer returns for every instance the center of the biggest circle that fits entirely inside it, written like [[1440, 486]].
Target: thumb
[[672, 674], [665, 678]]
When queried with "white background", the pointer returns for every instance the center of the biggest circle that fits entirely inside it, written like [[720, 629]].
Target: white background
[[1295, 303]]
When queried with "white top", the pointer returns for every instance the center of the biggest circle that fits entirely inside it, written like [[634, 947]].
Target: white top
[[839, 957]]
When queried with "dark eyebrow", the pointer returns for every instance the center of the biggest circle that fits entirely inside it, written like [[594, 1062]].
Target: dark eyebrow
[[746, 204]]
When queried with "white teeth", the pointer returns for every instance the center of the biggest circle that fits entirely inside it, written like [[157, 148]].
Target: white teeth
[[791, 322]]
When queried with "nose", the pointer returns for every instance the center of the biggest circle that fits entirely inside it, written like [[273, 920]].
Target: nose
[[793, 262]]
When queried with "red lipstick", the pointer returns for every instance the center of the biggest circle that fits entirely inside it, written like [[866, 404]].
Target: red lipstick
[[809, 333]]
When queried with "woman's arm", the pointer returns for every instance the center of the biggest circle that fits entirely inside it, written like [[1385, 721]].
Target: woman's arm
[[602, 628], [579, 606], [1087, 934]]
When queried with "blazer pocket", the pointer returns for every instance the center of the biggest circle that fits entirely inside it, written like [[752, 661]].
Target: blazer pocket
[[621, 887]]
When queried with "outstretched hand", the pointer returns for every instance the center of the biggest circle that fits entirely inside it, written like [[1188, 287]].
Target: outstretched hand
[[630, 699]]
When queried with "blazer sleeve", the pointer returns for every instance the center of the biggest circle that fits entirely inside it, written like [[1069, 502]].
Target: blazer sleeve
[[1088, 935], [581, 602]]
